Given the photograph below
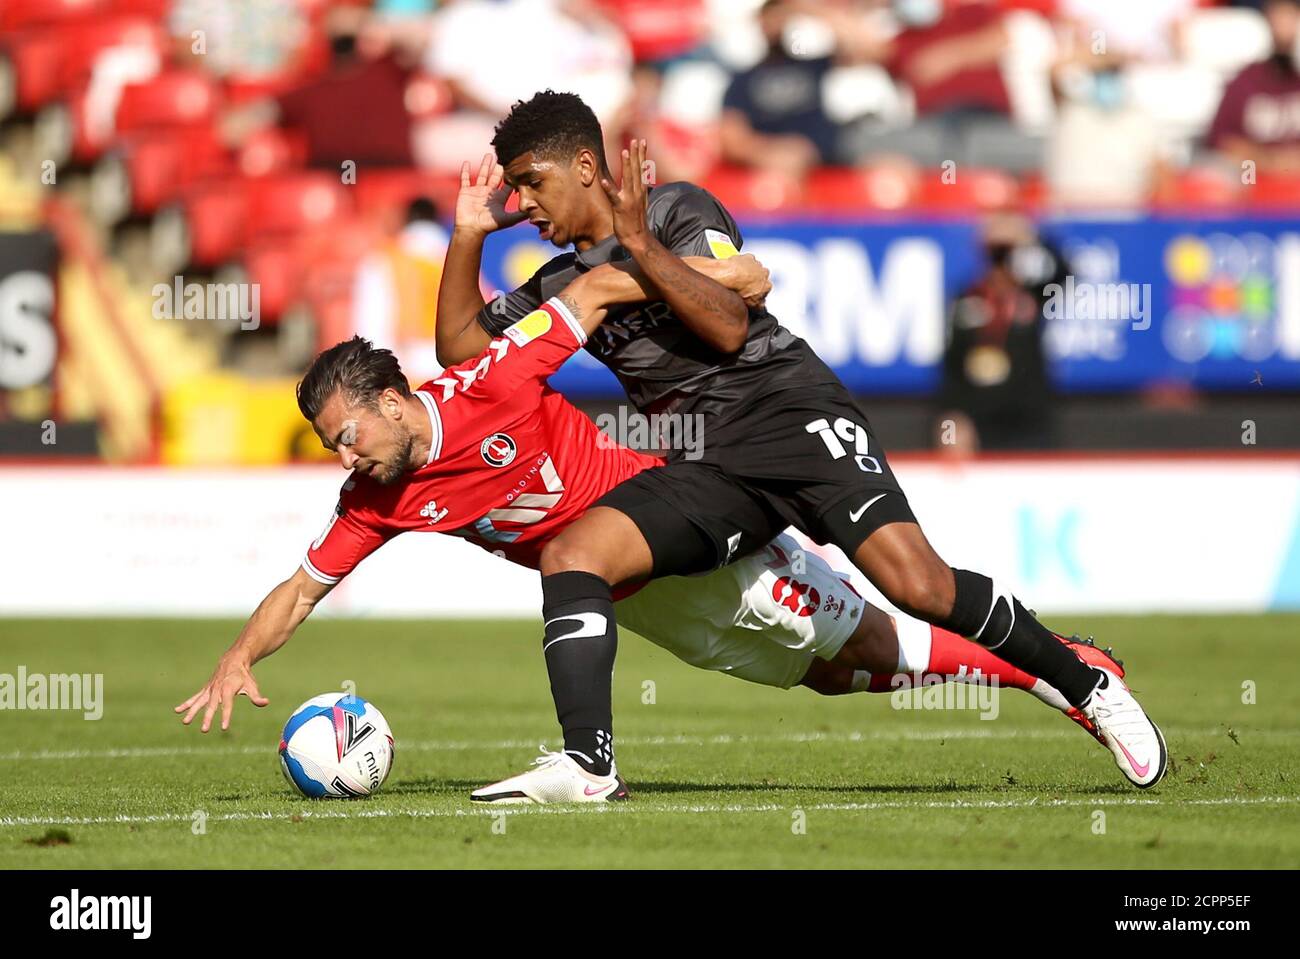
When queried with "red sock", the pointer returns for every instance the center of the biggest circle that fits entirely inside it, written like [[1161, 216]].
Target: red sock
[[950, 656], [950, 652]]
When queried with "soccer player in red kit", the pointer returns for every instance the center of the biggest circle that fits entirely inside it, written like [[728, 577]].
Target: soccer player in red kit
[[488, 452]]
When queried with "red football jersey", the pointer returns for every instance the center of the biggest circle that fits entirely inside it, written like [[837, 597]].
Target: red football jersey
[[512, 461]]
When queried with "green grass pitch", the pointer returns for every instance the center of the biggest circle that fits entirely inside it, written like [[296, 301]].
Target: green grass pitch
[[722, 774]]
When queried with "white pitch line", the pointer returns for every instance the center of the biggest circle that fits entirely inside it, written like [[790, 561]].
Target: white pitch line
[[630, 809], [875, 735]]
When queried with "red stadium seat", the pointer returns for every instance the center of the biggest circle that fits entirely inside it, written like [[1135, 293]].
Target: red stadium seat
[[64, 127], [968, 191], [311, 266], [743, 189], [1272, 192], [206, 226], [277, 270], [153, 9], [1199, 187], [271, 150], [428, 96], [55, 60], [31, 60], [216, 220], [288, 202], [842, 189], [84, 41], [382, 194], [173, 97], [156, 164], [16, 14]]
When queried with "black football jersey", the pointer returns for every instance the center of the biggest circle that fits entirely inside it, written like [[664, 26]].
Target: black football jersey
[[660, 363]]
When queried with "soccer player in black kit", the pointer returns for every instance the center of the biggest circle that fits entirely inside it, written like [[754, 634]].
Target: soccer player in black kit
[[784, 441]]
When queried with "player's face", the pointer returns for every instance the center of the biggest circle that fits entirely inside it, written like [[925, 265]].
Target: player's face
[[377, 443], [554, 194]]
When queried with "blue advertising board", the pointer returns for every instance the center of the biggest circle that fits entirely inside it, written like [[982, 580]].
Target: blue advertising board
[[1212, 303]]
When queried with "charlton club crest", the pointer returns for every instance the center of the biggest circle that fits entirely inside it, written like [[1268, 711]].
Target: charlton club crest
[[498, 450]]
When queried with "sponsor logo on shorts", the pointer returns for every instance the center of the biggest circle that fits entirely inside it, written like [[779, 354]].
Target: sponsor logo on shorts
[[800, 598], [498, 450], [832, 605]]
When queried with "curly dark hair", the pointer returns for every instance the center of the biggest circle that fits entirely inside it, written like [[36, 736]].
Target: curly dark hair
[[552, 125], [358, 369]]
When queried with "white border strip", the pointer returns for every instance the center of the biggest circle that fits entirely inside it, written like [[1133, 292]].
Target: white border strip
[[435, 419], [574, 326]]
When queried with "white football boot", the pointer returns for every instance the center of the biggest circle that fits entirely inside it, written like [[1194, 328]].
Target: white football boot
[[556, 778], [1123, 727]]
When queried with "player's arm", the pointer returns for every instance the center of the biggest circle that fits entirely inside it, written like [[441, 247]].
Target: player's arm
[[480, 210], [589, 296], [614, 284], [715, 314], [276, 618]]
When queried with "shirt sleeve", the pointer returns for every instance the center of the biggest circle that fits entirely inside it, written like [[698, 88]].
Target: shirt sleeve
[[516, 363], [509, 308], [697, 225], [345, 542]]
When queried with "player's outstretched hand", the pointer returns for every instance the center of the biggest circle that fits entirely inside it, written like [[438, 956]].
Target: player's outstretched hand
[[481, 205], [231, 677], [629, 198]]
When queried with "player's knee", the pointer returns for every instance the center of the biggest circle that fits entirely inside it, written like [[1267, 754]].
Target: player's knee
[[564, 554], [873, 647], [927, 593], [828, 679]]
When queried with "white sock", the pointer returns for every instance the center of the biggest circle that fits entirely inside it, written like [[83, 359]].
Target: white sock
[[913, 645]]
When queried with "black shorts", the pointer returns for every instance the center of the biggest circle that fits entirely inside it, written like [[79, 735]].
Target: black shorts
[[801, 457]]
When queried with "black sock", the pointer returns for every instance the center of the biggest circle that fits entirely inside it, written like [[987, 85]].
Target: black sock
[[987, 613], [580, 642]]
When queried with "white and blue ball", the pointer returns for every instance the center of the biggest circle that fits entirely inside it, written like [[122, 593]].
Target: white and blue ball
[[336, 745]]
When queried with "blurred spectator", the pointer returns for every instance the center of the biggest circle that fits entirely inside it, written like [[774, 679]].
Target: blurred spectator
[[682, 150], [494, 52], [1103, 149], [1259, 116], [951, 59], [395, 293], [355, 110], [243, 39], [995, 392], [659, 31], [1134, 29], [774, 114]]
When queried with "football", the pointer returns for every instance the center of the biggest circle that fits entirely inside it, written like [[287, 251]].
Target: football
[[336, 746]]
